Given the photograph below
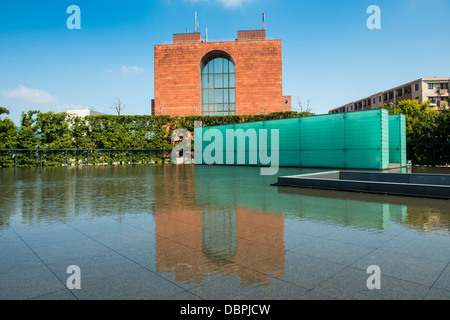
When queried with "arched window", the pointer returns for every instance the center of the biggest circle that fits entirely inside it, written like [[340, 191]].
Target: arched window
[[218, 90]]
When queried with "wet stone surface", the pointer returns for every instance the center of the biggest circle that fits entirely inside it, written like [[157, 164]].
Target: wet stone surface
[[185, 232]]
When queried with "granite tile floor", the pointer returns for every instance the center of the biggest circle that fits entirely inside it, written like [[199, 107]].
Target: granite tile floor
[[185, 233], [122, 262]]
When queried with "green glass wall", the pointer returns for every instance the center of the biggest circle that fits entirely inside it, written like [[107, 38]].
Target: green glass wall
[[354, 140], [397, 139]]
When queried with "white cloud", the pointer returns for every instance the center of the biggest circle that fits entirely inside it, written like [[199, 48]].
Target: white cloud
[[31, 95], [131, 70], [225, 3], [233, 3]]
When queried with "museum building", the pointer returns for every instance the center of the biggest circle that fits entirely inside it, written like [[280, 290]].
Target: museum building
[[194, 76]]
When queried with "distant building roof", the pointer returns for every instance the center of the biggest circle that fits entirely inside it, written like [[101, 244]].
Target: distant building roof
[[84, 112]]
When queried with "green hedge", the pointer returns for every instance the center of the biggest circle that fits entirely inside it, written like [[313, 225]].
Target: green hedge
[[50, 130]]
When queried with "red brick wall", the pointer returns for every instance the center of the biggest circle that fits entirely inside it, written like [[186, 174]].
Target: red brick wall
[[187, 38], [252, 35], [258, 67]]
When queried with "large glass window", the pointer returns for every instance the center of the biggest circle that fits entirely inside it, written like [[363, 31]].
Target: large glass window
[[218, 86]]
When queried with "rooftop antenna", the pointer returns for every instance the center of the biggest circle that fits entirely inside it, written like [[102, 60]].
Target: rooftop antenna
[[206, 34], [264, 21], [195, 23]]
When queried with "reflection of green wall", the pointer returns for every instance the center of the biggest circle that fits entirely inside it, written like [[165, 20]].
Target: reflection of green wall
[[244, 187], [359, 214], [358, 140]]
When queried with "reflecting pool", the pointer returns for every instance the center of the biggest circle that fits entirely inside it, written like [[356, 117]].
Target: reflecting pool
[[210, 232]]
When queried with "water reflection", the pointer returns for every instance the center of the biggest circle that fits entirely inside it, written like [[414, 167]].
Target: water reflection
[[217, 239], [376, 211], [219, 233], [59, 195], [246, 189], [208, 221]]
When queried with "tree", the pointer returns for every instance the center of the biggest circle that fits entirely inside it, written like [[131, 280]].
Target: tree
[[53, 130], [28, 137], [8, 131], [8, 136], [424, 127], [161, 108], [262, 110], [3, 111], [300, 108], [421, 121], [443, 126], [118, 106]]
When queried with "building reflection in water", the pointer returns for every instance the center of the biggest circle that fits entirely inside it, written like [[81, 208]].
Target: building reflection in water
[[196, 240], [219, 233], [209, 221]]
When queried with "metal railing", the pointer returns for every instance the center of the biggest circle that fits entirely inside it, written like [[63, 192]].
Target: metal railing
[[431, 154], [434, 154], [84, 154]]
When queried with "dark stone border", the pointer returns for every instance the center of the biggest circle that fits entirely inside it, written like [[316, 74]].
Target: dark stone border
[[416, 185]]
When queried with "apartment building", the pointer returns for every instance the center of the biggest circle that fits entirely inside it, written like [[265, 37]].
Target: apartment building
[[434, 90]]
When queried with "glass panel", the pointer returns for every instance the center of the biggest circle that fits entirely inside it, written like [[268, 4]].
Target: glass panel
[[211, 66], [205, 81], [211, 96], [205, 97], [232, 84], [218, 81], [218, 76], [218, 96], [231, 67], [218, 65], [210, 81]]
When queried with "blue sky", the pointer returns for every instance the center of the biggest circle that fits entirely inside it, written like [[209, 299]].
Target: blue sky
[[330, 57]]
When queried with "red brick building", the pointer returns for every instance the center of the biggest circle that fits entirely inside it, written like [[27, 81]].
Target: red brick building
[[197, 77]]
